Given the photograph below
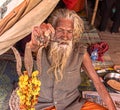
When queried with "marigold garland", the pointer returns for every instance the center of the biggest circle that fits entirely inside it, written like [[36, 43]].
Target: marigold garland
[[28, 91]]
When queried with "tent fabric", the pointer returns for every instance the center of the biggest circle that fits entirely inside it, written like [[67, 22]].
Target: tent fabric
[[19, 23], [16, 14], [9, 20]]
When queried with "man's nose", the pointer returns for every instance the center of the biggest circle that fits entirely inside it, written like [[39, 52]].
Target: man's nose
[[65, 35]]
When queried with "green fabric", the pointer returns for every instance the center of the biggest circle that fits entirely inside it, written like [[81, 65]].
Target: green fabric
[[8, 77]]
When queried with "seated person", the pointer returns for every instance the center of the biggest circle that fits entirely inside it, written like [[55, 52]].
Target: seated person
[[61, 60]]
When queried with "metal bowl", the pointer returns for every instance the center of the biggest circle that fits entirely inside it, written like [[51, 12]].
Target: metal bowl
[[115, 76], [112, 77]]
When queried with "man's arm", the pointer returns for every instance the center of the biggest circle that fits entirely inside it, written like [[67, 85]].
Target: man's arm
[[87, 64]]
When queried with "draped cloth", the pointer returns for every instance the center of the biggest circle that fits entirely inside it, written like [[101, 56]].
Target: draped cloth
[[86, 106], [19, 22]]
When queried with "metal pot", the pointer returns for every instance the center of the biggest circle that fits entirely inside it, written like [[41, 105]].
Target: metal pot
[[112, 81]]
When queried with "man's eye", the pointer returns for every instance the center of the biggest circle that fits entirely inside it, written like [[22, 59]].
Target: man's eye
[[61, 31]]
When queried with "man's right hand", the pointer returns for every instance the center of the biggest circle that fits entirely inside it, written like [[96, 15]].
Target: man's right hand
[[41, 35]]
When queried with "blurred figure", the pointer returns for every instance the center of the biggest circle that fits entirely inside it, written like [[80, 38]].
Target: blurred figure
[[116, 18], [107, 12]]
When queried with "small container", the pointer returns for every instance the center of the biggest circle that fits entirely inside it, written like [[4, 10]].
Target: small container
[[94, 55]]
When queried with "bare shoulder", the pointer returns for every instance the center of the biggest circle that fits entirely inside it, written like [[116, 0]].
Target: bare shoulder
[[82, 48]]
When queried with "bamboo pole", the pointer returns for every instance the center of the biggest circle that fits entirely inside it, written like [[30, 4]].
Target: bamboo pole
[[86, 7], [94, 12]]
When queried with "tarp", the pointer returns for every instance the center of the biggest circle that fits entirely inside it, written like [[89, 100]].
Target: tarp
[[19, 23]]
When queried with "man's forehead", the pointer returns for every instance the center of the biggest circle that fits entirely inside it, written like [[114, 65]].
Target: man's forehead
[[64, 22]]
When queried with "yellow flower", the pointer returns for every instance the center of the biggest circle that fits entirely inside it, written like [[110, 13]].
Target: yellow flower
[[35, 73], [28, 103], [35, 81], [24, 78], [28, 92], [36, 91]]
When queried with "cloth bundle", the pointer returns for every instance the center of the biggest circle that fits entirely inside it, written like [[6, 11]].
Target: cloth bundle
[[101, 48]]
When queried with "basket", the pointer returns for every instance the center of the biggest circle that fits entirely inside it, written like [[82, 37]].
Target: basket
[[14, 101]]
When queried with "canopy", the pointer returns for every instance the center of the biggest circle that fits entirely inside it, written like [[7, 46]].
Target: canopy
[[20, 21]]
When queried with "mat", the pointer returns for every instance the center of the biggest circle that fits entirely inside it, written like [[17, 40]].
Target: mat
[[8, 77]]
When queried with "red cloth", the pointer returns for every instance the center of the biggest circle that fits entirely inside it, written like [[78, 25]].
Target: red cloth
[[102, 47], [70, 3]]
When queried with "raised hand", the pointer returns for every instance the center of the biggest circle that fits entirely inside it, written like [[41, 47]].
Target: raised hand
[[41, 35]]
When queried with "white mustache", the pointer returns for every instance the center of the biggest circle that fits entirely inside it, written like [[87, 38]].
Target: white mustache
[[64, 43]]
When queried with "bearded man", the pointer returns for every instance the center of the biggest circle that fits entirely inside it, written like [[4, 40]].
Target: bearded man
[[61, 60]]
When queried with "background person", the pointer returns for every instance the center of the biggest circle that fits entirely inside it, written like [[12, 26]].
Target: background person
[[107, 7]]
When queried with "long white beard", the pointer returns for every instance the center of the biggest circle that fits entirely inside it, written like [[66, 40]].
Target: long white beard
[[59, 54]]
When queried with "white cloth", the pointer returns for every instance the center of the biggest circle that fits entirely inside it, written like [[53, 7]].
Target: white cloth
[[24, 26]]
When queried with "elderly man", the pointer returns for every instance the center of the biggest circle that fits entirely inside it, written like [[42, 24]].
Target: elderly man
[[61, 60]]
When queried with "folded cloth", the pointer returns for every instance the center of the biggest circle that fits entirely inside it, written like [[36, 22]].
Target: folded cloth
[[50, 108], [101, 48], [92, 106]]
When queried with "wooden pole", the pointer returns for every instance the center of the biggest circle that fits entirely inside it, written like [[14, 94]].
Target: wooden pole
[[86, 8], [94, 12]]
